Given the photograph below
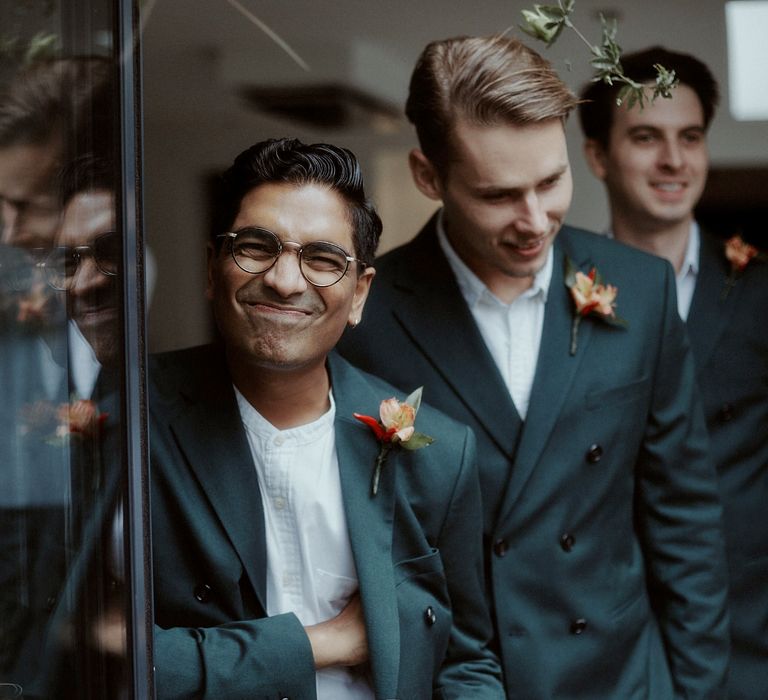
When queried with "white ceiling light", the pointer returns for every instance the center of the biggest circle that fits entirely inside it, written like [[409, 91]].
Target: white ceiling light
[[747, 26]]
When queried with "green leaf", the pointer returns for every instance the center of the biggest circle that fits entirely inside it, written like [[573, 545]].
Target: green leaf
[[417, 441], [414, 399], [666, 81], [546, 22], [570, 272], [41, 45]]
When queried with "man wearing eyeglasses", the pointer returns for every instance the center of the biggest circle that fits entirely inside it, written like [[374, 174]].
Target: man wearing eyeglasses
[[84, 264], [280, 571]]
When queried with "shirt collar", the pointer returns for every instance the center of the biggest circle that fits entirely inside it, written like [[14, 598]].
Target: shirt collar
[[473, 289], [692, 250], [302, 434], [691, 259]]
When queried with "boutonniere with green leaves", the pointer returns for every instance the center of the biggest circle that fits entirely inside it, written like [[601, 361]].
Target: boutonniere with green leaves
[[739, 253], [591, 297], [395, 428]]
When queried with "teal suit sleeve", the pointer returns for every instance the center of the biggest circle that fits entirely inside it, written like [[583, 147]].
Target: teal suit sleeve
[[679, 517], [470, 668], [266, 658]]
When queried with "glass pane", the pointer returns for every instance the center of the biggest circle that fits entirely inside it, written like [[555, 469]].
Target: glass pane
[[64, 578]]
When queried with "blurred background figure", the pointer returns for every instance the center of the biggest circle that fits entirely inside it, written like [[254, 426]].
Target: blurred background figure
[[654, 163]]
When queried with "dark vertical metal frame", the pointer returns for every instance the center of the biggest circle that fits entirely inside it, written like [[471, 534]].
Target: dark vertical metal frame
[[136, 508]]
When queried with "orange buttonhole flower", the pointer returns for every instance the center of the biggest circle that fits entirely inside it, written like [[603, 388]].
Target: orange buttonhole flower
[[395, 427], [594, 298], [739, 253], [591, 297], [81, 417]]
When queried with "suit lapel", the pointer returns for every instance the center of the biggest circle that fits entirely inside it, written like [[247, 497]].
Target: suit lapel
[[369, 521], [555, 370], [709, 311], [440, 323], [209, 432]]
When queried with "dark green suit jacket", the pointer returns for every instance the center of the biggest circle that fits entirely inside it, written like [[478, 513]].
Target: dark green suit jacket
[[729, 337], [602, 519], [416, 546]]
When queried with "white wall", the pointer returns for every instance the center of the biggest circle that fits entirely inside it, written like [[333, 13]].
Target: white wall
[[196, 52]]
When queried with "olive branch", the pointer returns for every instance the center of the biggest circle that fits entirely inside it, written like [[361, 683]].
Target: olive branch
[[546, 22]]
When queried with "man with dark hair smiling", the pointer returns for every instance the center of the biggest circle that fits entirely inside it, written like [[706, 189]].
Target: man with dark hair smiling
[[654, 164], [296, 554], [564, 352]]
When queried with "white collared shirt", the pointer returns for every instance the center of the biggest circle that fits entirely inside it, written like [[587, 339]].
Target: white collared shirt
[[83, 366], [512, 332], [685, 280], [310, 568]]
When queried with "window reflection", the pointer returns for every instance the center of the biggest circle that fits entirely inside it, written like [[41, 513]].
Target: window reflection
[[63, 598]]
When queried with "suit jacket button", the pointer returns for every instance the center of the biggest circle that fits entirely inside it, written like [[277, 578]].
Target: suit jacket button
[[726, 412], [203, 592], [594, 454], [500, 548], [50, 603], [429, 616], [567, 541], [578, 626]]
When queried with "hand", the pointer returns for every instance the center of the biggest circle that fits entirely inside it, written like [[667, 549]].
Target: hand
[[340, 641], [109, 633]]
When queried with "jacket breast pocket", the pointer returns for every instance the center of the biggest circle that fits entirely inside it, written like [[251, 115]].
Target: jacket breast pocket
[[423, 565], [616, 396]]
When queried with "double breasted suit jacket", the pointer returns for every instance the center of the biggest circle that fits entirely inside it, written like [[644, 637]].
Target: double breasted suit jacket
[[729, 338], [416, 546], [602, 519]]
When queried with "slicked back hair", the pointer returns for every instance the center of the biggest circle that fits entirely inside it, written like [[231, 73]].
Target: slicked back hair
[[293, 162], [483, 81], [596, 108], [71, 99]]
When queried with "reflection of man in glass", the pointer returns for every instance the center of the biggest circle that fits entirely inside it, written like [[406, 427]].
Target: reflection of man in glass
[[51, 482], [84, 264], [47, 113], [43, 114]]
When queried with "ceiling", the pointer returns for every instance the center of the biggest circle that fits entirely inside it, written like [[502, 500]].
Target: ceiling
[[199, 54]]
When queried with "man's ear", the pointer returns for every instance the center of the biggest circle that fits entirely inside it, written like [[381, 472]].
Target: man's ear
[[596, 157], [362, 287], [425, 175], [211, 256]]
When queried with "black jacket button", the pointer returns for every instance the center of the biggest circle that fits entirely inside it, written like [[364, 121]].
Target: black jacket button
[[578, 626], [429, 616], [726, 413], [203, 592], [594, 454], [567, 541], [500, 548]]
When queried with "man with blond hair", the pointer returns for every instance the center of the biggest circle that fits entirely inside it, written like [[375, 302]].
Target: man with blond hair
[[603, 546]]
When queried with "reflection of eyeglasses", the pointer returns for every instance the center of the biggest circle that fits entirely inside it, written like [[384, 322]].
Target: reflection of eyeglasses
[[256, 250], [63, 262], [19, 268]]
